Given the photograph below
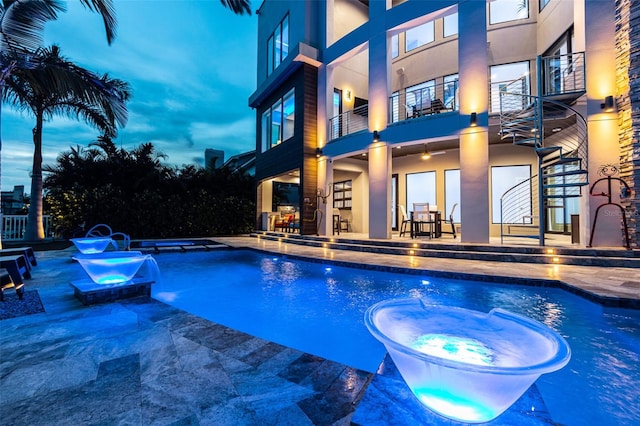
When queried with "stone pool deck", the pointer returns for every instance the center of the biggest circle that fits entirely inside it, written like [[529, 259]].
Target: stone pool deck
[[143, 362]]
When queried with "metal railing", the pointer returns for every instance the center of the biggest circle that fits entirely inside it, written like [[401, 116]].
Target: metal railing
[[563, 73], [434, 99], [12, 227], [349, 122], [519, 210]]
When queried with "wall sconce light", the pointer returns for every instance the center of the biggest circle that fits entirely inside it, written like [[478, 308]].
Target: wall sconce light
[[318, 152], [473, 119], [425, 154], [608, 104], [376, 136], [348, 95]]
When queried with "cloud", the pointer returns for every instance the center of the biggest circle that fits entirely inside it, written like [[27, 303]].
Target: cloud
[[191, 68]]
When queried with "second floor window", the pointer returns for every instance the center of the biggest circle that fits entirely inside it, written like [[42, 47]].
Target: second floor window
[[278, 45], [419, 36], [508, 10], [278, 121]]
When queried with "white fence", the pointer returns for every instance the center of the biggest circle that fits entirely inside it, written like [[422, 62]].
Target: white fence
[[14, 226]]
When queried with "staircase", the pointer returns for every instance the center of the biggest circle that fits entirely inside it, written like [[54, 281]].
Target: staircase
[[558, 133]]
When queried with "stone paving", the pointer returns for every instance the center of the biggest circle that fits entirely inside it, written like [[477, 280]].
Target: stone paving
[[141, 361]]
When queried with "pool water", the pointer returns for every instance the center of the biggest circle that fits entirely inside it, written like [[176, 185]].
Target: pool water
[[318, 308]]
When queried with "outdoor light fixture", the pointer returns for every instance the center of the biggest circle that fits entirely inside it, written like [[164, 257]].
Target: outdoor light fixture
[[318, 152], [425, 154], [376, 136], [608, 105], [348, 95], [473, 120]]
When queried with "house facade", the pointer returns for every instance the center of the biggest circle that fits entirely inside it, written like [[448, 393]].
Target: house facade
[[514, 116]]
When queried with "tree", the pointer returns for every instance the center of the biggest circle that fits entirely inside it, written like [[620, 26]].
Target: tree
[[21, 33], [56, 86]]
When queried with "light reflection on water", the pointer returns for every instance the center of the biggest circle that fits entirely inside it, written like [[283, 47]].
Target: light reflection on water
[[305, 306]]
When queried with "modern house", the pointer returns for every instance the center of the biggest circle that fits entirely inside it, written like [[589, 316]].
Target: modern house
[[518, 112]]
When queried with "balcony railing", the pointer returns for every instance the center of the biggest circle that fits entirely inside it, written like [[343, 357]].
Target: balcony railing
[[563, 74], [433, 99], [349, 122], [13, 227]]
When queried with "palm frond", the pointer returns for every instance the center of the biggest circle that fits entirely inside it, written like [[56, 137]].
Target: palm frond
[[107, 10], [22, 22], [239, 7]]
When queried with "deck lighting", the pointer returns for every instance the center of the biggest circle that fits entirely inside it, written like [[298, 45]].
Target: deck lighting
[[473, 120], [608, 104]]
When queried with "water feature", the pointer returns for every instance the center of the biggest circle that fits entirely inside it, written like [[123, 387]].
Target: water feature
[[92, 245], [465, 365], [114, 267], [319, 308]]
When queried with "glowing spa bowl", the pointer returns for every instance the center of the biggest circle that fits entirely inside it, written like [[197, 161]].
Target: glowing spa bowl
[[113, 267], [465, 365], [90, 245]]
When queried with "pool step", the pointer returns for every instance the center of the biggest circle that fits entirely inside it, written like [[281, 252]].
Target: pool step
[[542, 255]]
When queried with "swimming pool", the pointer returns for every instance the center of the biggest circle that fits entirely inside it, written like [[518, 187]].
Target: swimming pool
[[318, 308]]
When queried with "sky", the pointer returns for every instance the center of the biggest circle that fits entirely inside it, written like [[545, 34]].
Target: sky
[[191, 65]]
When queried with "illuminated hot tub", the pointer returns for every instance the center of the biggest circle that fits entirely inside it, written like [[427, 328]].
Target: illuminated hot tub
[[465, 365], [89, 245], [113, 267]]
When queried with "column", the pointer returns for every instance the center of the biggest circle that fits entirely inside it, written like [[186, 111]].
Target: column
[[474, 140]]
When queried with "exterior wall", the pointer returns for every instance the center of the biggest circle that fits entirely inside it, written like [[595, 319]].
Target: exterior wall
[[628, 101], [355, 54]]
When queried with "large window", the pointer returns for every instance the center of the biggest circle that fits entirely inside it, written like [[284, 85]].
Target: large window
[[543, 3], [419, 36], [278, 122], [507, 10], [503, 78], [450, 26], [421, 188], [452, 194], [504, 178], [278, 45]]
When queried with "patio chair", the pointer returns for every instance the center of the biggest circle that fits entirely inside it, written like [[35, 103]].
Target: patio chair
[[422, 220], [449, 221], [405, 220]]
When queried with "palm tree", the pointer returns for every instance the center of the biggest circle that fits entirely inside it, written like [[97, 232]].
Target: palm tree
[[56, 86], [21, 33]]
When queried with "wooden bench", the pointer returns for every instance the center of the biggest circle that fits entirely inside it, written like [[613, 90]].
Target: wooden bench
[[25, 251]]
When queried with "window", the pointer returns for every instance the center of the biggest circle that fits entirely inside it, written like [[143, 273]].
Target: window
[[451, 91], [419, 36], [507, 10], [502, 179], [395, 46], [278, 45], [452, 194], [342, 194], [450, 25], [278, 121], [394, 107], [421, 188], [503, 78], [288, 115], [543, 3], [266, 122]]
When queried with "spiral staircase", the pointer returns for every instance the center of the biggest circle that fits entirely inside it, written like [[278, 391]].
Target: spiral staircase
[[557, 132]]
